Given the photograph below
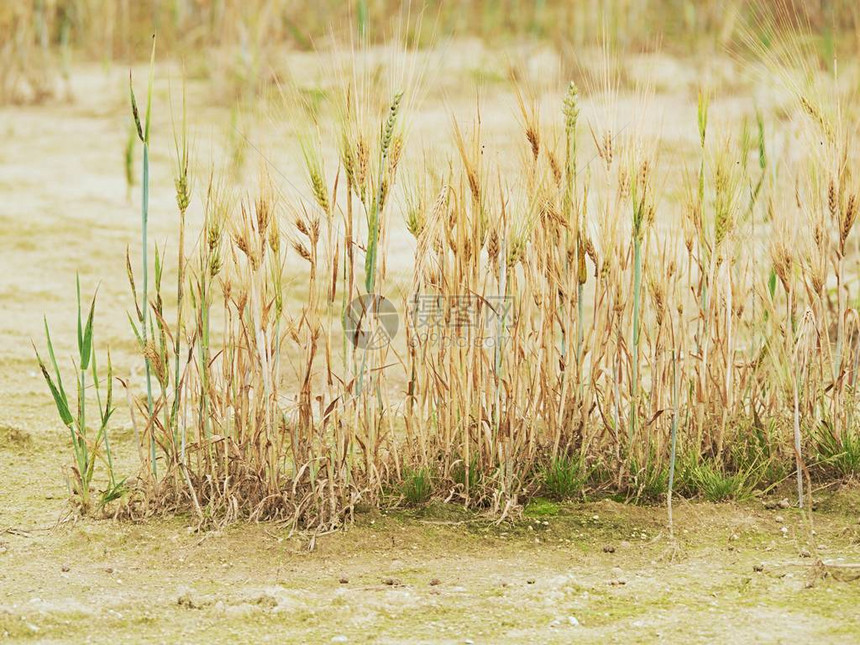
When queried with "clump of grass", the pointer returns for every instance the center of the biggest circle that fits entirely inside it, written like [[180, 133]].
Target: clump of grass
[[89, 438], [564, 477], [837, 452], [649, 480], [714, 484], [417, 486], [758, 448], [468, 478]]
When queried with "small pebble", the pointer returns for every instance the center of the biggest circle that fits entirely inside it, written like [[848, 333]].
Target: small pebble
[[435, 581]]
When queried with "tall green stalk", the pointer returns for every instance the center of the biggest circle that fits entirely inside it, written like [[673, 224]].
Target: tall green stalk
[[143, 311]]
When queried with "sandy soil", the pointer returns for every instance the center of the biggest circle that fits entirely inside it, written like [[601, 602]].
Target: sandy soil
[[434, 576]]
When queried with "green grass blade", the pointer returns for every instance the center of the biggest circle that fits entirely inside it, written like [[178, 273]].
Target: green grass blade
[[135, 330], [59, 397], [54, 359], [87, 341]]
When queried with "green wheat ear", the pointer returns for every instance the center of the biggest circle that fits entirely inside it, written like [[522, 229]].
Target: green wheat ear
[[135, 112], [143, 130], [375, 213]]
